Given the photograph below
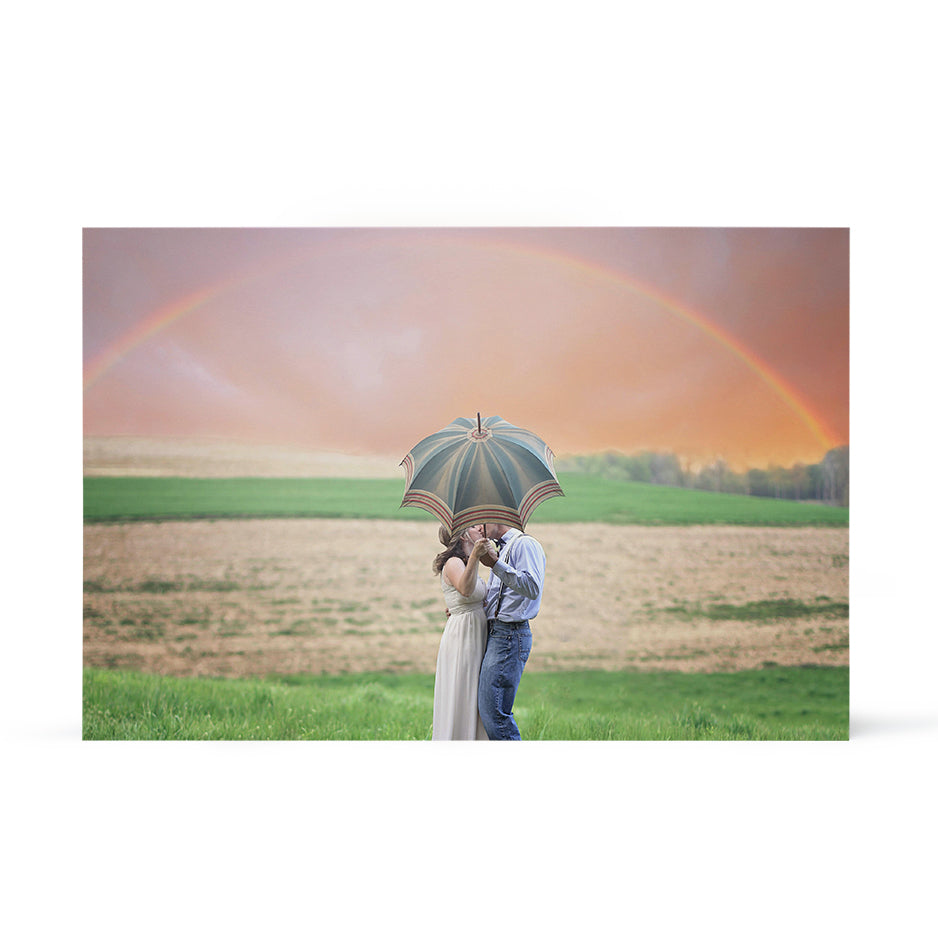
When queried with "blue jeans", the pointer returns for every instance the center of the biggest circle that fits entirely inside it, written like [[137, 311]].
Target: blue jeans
[[505, 656]]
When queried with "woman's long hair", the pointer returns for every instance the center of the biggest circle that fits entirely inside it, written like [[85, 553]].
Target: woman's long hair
[[454, 548]]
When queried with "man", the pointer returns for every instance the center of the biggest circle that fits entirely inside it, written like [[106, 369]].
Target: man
[[512, 599]]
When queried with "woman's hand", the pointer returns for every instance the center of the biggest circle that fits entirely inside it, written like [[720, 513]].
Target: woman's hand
[[464, 575], [480, 548], [489, 553]]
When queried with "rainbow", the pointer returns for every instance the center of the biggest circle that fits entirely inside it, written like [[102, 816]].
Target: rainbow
[[813, 421], [159, 319], [165, 315], [149, 326]]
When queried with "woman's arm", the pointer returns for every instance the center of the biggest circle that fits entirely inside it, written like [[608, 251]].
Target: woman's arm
[[464, 575]]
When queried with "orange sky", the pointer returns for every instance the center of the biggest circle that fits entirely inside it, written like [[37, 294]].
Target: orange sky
[[707, 343]]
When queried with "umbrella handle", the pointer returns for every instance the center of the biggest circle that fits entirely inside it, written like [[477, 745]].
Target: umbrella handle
[[479, 420]]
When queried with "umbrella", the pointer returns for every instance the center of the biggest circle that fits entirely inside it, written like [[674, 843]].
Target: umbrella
[[480, 472]]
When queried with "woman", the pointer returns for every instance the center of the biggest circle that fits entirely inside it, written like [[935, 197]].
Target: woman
[[462, 647]]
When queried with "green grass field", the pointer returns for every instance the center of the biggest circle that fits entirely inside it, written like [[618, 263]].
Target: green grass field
[[587, 499], [770, 704]]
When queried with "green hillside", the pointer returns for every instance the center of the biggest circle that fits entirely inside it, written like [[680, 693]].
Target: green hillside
[[587, 498]]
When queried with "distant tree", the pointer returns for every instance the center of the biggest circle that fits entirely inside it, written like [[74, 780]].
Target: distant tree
[[688, 476], [816, 481], [827, 481], [759, 482], [640, 467], [720, 471], [799, 480], [614, 465], [777, 480], [836, 474], [665, 469], [714, 477], [735, 482]]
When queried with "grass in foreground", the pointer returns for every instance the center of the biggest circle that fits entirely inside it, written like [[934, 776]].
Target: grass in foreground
[[587, 499], [773, 704]]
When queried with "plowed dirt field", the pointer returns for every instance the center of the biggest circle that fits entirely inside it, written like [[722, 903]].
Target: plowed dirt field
[[321, 596]]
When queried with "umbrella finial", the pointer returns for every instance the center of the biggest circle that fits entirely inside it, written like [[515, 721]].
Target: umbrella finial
[[479, 418]]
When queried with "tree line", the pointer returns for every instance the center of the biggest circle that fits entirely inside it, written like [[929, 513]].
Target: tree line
[[827, 481]]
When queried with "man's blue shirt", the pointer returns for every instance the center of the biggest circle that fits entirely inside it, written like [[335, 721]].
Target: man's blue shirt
[[523, 576]]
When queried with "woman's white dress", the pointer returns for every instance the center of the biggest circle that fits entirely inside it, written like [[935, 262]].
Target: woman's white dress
[[462, 647]]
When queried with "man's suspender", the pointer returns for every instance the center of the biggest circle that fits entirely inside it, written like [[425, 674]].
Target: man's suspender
[[501, 582]]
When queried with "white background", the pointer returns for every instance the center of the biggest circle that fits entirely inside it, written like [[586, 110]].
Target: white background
[[485, 114]]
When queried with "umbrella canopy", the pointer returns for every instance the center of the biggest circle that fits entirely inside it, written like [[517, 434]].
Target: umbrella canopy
[[480, 472]]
